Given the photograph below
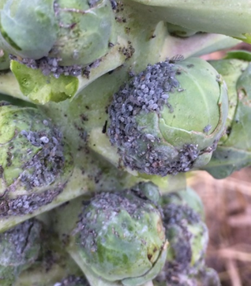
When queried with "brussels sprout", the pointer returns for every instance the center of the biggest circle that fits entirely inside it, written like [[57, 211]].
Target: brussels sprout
[[169, 118], [28, 28], [53, 263], [234, 149], [187, 235], [85, 31], [148, 190], [119, 236], [53, 34], [19, 248], [186, 197], [35, 162]]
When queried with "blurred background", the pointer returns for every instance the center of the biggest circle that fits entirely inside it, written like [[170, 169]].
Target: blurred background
[[227, 205], [228, 216]]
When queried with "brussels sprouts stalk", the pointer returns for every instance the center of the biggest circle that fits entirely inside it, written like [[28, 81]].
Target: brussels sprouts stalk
[[105, 107]]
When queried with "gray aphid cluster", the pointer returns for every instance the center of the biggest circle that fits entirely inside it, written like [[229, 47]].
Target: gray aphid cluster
[[27, 204], [21, 238], [45, 164], [177, 271], [50, 66]]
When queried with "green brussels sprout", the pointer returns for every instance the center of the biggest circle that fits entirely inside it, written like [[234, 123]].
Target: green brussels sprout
[[54, 266], [28, 28], [85, 31], [169, 118], [119, 236], [52, 34], [186, 197], [187, 235], [234, 149], [35, 162], [19, 248], [148, 190]]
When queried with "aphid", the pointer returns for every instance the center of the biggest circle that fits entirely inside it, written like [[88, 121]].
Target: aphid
[[207, 128], [176, 58], [114, 4]]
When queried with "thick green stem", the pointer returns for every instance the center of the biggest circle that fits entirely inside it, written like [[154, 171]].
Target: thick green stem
[[218, 16], [197, 45]]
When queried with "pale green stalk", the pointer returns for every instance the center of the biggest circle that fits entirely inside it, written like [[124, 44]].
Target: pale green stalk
[[217, 16]]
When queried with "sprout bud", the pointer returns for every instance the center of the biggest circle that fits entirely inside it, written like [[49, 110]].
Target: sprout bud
[[35, 163], [188, 237], [233, 150], [186, 197], [148, 190], [19, 248], [120, 236], [158, 119], [56, 36]]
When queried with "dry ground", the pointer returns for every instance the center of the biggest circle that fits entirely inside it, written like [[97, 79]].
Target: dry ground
[[228, 215]]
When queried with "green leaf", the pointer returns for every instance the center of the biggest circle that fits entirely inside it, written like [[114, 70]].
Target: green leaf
[[42, 89], [235, 152], [239, 54]]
